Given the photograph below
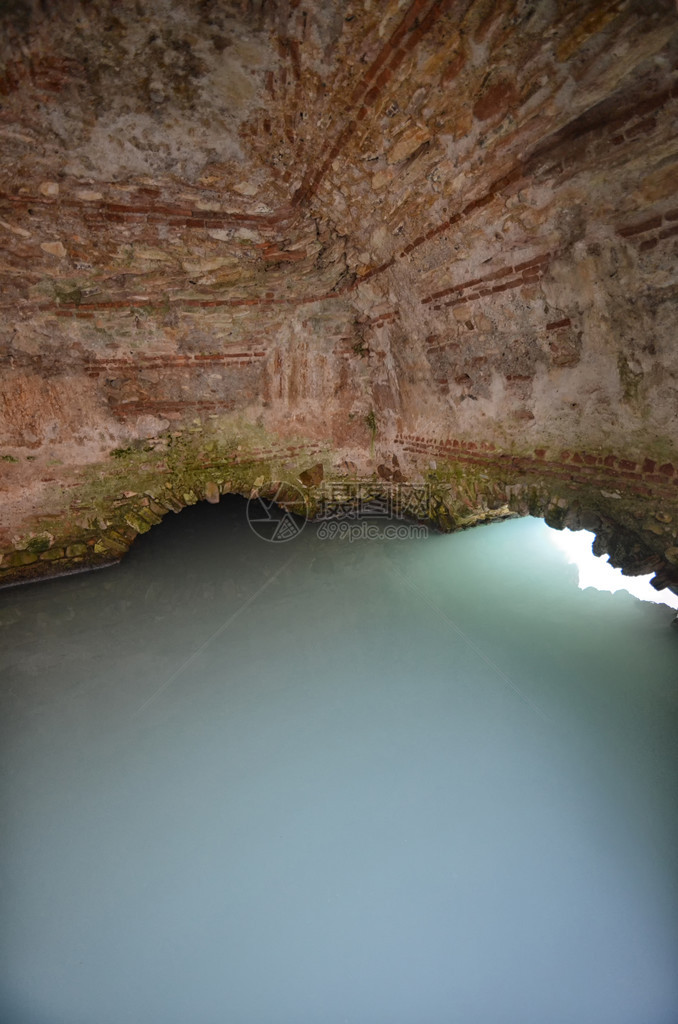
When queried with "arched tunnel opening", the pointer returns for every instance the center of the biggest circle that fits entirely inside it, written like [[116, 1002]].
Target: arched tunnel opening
[[367, 774]]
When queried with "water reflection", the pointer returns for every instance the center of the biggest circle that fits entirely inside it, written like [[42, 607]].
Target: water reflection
[[398, 781]]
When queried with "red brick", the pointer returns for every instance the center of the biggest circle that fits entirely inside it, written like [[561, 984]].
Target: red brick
[[119, 207], [507, 284], [534, 262], [478, 203]]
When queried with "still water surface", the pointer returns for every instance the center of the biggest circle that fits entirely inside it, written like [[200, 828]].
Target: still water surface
[[403, 782]]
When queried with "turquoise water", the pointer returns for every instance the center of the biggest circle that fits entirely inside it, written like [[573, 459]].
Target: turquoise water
[[379, 782]]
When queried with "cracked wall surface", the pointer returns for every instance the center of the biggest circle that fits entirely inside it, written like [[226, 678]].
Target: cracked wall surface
[[255, 242]]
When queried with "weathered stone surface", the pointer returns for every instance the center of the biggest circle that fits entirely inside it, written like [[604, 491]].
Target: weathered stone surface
[[671, 555], [240, 240], [313, 476], [212, 492]]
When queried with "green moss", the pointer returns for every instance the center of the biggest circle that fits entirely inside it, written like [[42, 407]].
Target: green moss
[[52, 555], [143, 311], [19, 558], [8, 458], [76, 550], [630, 380], [137, 523], [175, 468], [371, 423], [68, 296], [37, 545]]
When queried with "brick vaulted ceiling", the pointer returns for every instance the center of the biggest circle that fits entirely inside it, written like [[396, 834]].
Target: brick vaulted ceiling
[[412, 240]]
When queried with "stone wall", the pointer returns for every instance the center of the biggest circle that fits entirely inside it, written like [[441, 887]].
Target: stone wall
[[426, 241]]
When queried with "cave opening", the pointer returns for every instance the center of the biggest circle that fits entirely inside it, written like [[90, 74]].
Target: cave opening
[[343, 779]]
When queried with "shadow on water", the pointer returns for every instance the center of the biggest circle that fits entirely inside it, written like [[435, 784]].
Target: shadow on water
[[376, 781]]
